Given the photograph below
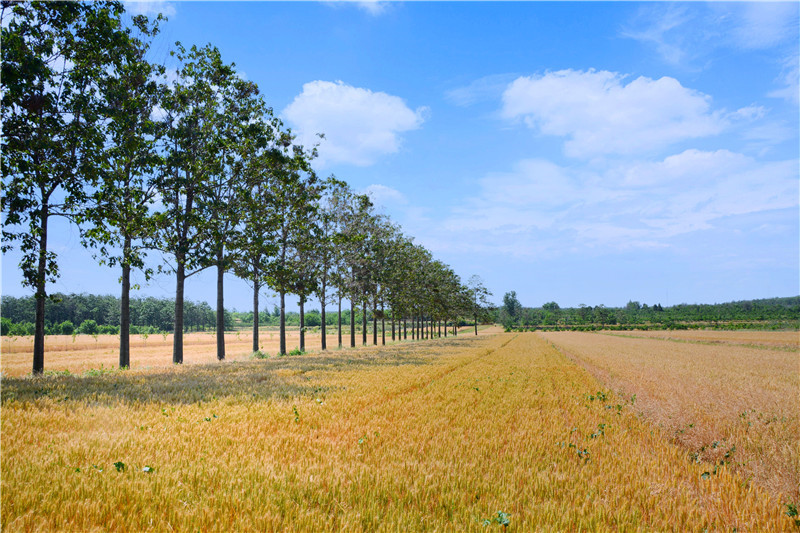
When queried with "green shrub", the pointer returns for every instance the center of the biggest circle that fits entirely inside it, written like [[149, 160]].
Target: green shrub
[[109, 330], [22, 329], [66, 328], [5, 326], [88, 327]]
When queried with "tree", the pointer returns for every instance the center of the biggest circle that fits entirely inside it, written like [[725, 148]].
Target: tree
[[237, 110], [327, 246], [192, 158], [304, 255], [254, 246], [354, 220], [479, 298], [292, 196], [511, 306], [551, 306], [55, 56], [120, 211]]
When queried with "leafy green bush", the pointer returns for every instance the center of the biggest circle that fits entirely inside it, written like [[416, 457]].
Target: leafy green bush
[[88, 327], [22, 329], [66, 328], [109, 330], [5, 326]]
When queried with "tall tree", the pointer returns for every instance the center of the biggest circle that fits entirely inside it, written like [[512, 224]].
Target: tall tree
[[294, 194], [119, 214], [306, 249], [479, 298], [326, 251], [193, 151], [55, 56], [238, 108], [263, 149]]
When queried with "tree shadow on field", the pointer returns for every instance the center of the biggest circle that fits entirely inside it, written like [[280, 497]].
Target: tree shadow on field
[[275, 377]]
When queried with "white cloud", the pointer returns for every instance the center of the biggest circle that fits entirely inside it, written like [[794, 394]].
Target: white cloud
[[686, 34], [151, 8], [547, 210], [789, 80], [657, 27], [600, 114], [482, 89], [373, 7], [359, 125], [382, 195], [762, 25]]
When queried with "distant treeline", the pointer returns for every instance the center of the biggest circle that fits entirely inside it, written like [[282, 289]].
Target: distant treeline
[[92, 314], [88, 313], [778, 311]]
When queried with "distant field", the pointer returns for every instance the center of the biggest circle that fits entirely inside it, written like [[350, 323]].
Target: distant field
[[457, 434], [781, 339], [84, 352], [713, 399]]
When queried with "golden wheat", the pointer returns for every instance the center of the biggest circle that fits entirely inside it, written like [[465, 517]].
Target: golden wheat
[[776, 339], [84, 352], [444, 435], [712, 399]]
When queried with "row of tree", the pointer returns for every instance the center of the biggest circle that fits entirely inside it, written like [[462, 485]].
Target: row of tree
[[151, 315], [512, 313], [196, 167]]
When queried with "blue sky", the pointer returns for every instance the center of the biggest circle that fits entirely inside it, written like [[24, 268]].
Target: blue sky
[[587, 153]]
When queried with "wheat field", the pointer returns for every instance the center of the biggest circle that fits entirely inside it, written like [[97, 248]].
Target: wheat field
[[81, 353], [720, 401], [458, 434], [754, 338]]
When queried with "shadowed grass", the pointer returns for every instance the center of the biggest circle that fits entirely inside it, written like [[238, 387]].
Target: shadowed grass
[[274, 377]]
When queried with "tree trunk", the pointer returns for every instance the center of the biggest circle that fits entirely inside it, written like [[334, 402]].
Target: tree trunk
[[383, 326], [413, 326], [255, 311], [352, 323], [364, 323], [220, 307], [302, 323], [41, 294], [339, 320], [405, 330], [282, 332], [177, 333], [375, 321], [476, 324], [392, 325], [125, 308], [323, 327]]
